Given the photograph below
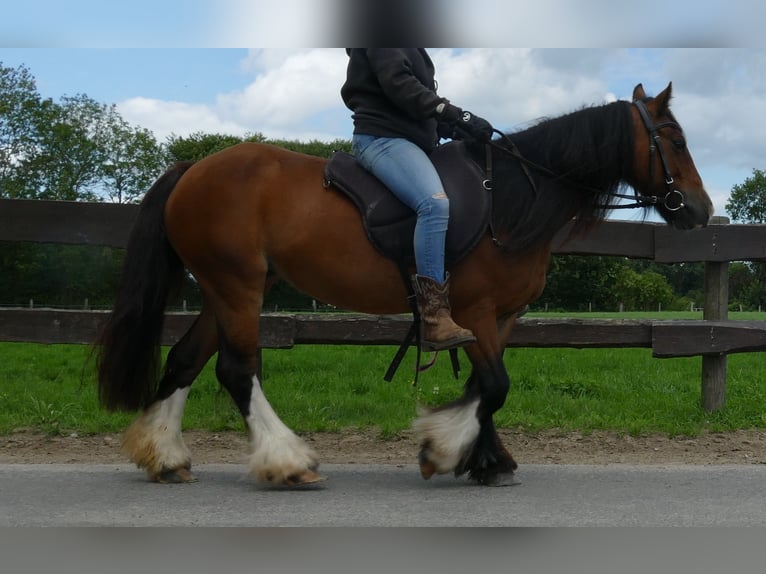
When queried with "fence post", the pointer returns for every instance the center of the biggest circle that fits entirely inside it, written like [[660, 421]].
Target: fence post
[[716, 309]]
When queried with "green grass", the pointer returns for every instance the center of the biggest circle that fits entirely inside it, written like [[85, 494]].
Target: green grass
[[50, 388], [656, 316]]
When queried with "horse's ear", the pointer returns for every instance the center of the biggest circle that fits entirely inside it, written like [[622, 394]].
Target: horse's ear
[[659, 105], [663, 98], [639, 93]]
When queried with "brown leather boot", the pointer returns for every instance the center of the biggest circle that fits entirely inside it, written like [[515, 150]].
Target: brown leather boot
[[438, 330]]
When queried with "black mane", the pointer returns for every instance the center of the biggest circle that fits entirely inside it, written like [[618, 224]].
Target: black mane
[[590, 151]]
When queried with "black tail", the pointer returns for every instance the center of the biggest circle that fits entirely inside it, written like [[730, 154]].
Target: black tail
[[128, 356]]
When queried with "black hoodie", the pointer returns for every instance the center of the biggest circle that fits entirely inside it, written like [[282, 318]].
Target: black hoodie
[[392, 93]]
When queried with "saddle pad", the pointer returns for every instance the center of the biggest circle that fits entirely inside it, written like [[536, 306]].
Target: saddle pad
[[390, 225]]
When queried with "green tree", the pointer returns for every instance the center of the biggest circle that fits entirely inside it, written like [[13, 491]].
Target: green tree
[[741, 280], [19, 101], [644, 291], [61, 275], [132, 160], [66, 158], [198, 145], [655, 291], [574, 282], [72, 149], [747, 202], [685, 279], [82, 150], [314, 147]]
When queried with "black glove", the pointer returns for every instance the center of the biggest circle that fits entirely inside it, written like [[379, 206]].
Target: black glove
[[462, 124]]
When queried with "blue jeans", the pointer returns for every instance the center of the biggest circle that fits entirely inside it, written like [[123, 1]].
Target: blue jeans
[[408, 172]]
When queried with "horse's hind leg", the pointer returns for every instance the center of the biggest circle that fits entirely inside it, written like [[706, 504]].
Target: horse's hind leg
[[278, 456], [153, 441]]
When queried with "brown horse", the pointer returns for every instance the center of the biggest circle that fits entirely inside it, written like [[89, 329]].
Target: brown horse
[[242, 218]]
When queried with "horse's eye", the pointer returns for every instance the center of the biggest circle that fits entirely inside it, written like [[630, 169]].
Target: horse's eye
[[679, 143]]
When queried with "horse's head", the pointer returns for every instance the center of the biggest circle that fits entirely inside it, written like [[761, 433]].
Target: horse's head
[[664, 171]]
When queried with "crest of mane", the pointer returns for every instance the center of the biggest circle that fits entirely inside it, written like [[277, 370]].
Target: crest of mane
[[577, 161]]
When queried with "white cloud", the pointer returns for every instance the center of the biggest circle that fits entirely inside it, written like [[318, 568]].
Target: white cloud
[[166, 118], [720, 100], [290, 88], [513, 86]]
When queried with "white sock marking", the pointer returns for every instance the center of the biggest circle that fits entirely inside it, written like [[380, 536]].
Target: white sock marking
[[450, 433], [154, 440], [277, 452]]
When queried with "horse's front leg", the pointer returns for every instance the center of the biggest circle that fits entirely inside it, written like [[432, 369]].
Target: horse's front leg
[[488, 461], [460, 437], [278, 456]]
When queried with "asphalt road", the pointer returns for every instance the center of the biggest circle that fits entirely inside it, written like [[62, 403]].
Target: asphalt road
[[368, 495]]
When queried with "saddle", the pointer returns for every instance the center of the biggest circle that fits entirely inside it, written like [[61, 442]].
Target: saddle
[[390, 224]]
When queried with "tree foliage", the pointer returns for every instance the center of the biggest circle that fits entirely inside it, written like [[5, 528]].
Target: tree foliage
[[747, 203], [577, 283], [132, 160], [200, 145], [66, 155], [19, 101], [580, 283], [74, 149], [647, 291]]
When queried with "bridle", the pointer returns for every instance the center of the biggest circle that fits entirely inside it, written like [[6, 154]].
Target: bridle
[[673, 200]]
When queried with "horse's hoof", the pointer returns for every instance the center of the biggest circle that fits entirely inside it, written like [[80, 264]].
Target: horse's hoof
[[307, 477], [427, 466], [427, 469], [175, 476], [502, 479]]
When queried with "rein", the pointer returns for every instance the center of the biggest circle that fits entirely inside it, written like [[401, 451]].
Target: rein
[[673, 200]]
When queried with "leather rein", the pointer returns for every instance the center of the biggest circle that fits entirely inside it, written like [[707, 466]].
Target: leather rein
[[673, 200]]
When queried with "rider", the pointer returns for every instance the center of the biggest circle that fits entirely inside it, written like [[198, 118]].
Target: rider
[[398, 121]]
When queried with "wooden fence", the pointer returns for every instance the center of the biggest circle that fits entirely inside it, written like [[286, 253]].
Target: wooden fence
[[713, 338]]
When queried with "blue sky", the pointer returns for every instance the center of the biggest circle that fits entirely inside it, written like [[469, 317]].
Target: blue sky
[[111, 75]]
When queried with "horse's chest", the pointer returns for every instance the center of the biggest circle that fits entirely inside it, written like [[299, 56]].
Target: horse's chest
[[524, 281]]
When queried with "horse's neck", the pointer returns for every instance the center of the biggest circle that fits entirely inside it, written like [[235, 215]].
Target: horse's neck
[[584, 148]]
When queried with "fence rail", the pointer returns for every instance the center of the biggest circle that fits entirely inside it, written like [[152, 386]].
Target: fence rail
[[666, 338], [713, 338]]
